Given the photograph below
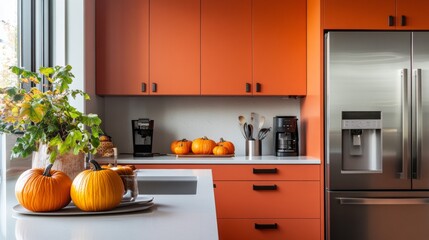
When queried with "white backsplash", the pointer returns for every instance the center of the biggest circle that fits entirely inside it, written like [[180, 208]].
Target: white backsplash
[[192, 117]]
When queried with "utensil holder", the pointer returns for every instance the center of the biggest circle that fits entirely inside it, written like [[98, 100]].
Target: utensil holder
[[253, 148]]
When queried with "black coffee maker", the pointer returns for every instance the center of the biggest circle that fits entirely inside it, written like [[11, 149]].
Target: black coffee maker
[[285, 136], [142, 137]]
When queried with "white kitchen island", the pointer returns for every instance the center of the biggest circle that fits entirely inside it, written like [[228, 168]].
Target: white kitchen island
[[179, 217]]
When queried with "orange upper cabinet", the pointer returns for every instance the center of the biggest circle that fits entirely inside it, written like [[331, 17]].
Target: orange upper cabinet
[[412, 14], [174, 47], [226, 47], [122, 70], [279, 47], [377, 14]]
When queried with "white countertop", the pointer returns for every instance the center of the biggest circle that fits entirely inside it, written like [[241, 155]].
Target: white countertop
[[179, 217], [172, 159]]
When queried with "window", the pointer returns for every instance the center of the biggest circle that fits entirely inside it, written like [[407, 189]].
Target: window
[[25, 40], [8, 41]]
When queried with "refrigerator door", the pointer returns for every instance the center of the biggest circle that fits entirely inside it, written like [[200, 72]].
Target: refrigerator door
[[420, 110], [375, 215], [369, 71]]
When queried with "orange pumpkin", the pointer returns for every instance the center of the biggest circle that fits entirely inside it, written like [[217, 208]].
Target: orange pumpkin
[[203, 146], [97, 190], [220, 150], [186, 144], [182, 148], [229, 145], [43, 190]]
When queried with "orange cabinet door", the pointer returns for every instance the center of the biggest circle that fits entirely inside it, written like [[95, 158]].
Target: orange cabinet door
[[122, 47], [226, 47], [174, 47], [267, 199], [279, 50], [269, 229], [412, 14], [360, 14]]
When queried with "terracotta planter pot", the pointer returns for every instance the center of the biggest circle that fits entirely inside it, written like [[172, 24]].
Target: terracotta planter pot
[[69, 163]]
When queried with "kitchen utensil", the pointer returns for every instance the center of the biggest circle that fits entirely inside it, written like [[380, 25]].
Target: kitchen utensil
[[246, 131], [254, 119], [263, 133], [241, 121], [261, 122], [250, 126]]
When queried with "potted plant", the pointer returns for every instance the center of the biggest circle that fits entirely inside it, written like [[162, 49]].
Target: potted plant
[[50, 126]]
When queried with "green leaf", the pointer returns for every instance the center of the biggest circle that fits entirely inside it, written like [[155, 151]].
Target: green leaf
[[16, 70], [53, 156], [11, 91], [18, 97], [46, 71], [95, 131], [56, 141], [94, 119], [74, 114], [35, 111]]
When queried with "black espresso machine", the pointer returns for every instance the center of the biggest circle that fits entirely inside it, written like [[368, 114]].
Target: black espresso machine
[[285, 136], [142, 137]]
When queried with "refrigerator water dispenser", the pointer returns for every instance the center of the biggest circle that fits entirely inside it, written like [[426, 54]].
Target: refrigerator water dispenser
[[361, 142]]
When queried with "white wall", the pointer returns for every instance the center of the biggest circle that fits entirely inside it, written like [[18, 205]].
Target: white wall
[[74, 43], [192, 117]]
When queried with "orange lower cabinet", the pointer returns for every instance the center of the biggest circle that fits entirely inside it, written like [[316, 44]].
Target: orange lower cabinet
[[272, 229], [266, 199]]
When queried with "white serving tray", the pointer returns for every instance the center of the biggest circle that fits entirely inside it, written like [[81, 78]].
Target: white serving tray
[[140, 204]]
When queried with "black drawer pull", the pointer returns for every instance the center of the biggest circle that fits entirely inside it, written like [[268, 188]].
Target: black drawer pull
[[214, 185], [264, 187], [265, 226], [248, 87], [154, 87], [403, 20], [143, 87], [391, 21], [258, 87], [264, 170]]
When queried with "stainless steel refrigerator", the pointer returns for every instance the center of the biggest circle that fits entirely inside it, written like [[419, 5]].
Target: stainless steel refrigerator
[[377, 135]]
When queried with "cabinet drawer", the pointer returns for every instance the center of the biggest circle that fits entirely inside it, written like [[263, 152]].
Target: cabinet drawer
[[267, 199], [251, 172], [275, 229], [266, 172]]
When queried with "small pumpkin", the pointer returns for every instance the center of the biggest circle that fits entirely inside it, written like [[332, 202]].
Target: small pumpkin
[[220, 150], [97, 189], [182, 148], [186, 144], [229, 145], [43, 190], [203, 146]]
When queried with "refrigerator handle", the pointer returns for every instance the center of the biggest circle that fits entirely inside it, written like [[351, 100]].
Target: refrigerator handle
[[419, 121], [405, 124], [382, 201]]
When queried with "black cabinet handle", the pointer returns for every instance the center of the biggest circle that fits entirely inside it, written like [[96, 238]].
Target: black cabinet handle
[[154, 87], [214, 185], [248, 87], [143, 87], [264, 187], [265, 226], [403, 20], [258, 87], [391, 21], [264, 170]]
